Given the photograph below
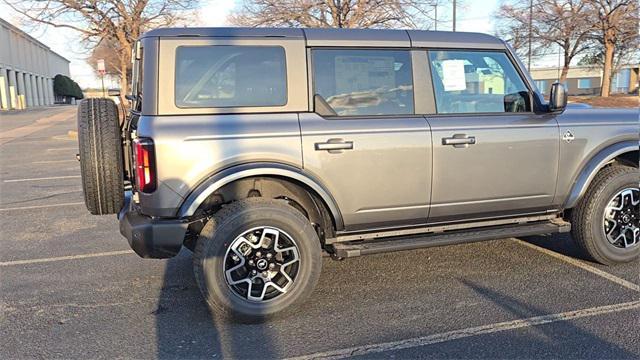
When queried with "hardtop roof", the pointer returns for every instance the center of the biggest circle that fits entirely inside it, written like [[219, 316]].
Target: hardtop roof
[[343, 37]]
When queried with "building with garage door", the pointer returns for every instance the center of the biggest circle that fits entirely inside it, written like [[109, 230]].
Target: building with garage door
[[27, 69]]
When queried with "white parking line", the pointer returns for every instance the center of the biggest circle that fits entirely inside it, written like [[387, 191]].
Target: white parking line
[[62, 258], [43, 178], [41, 206], [470, 332], [54, 161], [63, 149], [583, 266]]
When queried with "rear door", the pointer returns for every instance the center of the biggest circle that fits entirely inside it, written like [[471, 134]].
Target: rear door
[[493, 155], [364, 142]]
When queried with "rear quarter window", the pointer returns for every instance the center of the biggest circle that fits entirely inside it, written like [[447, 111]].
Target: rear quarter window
[[230, 76]]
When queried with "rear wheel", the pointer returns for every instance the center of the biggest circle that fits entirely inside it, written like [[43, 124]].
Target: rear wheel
[[257, 257], [100, 147], [606, 223]]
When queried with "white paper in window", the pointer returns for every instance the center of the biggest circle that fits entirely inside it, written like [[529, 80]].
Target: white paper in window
[[453, 77]]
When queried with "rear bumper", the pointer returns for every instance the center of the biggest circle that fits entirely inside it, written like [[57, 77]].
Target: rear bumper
[[149, 237]]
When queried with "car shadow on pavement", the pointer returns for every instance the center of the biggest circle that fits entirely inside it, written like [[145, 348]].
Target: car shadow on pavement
[[560, 243], [185, 328], [559, 340]]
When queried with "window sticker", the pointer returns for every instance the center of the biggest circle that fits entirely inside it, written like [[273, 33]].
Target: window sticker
[[453, 77]]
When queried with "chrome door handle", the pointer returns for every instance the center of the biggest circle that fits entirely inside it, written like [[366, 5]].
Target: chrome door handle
[[459, 140], [334, 146]]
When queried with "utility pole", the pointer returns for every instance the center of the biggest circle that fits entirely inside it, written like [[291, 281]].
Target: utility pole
[[530, 33], [435, 10], [454, 15]]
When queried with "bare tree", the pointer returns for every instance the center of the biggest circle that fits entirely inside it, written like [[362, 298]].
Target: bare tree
[[511, 30], [561, 22], [115, 22], [336, 13], [616, 29]]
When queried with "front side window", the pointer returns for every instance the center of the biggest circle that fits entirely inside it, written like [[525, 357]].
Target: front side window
[[477, 82], [230, 76], [364, 82]]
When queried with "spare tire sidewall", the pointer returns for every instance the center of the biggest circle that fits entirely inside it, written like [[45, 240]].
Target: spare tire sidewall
[[101, 160]]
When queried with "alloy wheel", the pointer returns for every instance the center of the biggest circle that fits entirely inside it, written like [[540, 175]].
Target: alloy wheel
[[621, 222], [261, 264]]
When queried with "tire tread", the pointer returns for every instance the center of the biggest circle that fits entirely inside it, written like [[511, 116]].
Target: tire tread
[[100, 156], [585, 211], [219, 219]]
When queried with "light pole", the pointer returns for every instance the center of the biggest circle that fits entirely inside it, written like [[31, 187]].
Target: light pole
[[454, 15], [530, 30]]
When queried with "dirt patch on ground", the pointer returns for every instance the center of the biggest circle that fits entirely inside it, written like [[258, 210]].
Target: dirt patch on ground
[[611, 101]]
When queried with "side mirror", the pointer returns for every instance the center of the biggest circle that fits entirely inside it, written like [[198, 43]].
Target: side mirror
[[113, 92], [557, 98]]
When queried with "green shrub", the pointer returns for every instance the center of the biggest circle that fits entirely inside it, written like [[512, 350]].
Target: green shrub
[[64, 86]]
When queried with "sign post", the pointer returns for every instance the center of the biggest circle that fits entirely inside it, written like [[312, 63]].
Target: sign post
[[102, 71]]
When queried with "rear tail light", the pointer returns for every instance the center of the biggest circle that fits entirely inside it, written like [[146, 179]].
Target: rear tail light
[[145, 163]]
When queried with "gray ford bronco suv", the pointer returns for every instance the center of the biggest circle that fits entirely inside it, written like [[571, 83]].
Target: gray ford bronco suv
[[262, 149]]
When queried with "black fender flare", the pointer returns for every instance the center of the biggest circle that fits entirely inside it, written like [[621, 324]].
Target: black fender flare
[[226, 176], [597, 162]]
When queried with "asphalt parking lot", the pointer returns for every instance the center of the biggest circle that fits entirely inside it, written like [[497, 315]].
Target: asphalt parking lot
[[71, 288]]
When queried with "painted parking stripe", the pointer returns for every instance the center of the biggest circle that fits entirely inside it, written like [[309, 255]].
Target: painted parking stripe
[[471, 332], [63, 149], [43, 178], [583, 266], [54, 161], [42, 206], [64, 258]]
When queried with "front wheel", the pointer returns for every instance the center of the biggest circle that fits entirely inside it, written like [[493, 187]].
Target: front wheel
[[256, 258], [606, 223]]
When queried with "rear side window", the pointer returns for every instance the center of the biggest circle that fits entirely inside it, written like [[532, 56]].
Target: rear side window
[[364, 82], [230, 76], [477, 82]]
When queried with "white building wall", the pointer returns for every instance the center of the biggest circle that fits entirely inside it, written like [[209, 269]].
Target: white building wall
[[27, 69]]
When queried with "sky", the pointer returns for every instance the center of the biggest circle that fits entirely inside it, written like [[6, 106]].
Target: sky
[[473, 16]]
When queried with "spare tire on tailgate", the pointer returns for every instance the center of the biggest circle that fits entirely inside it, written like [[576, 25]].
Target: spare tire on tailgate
[[100, 146]]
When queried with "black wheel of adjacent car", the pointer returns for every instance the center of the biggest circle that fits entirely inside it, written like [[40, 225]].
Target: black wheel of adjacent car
[[257, 257], [100, 148], [606, 223]]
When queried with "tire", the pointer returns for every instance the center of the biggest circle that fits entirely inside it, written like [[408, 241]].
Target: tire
[[212, 253], [100, 146], [587, 219]]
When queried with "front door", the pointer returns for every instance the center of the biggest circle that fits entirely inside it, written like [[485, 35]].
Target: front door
[[493, 156], [366, 145]]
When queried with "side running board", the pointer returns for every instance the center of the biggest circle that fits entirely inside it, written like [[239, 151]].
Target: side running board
[[358, 248]]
